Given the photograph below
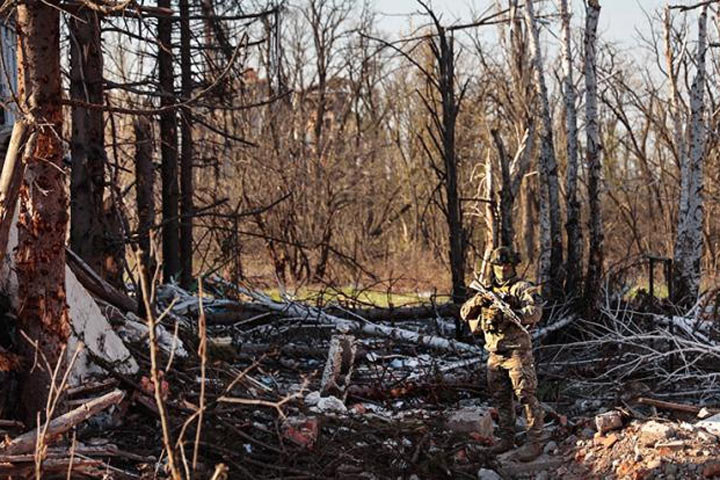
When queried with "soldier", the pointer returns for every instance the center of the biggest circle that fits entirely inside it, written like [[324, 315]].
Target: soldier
[[510, 367]]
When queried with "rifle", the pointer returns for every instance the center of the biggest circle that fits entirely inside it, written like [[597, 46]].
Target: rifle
[[493, 298]]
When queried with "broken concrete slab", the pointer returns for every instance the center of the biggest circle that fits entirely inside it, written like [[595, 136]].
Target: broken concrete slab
[[90, 327], [608, 421], [471, 420], [711, 424], [653, 431], [329, 405]]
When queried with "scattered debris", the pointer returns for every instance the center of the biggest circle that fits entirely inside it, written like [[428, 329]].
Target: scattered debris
[[608, 421], [471, 419]]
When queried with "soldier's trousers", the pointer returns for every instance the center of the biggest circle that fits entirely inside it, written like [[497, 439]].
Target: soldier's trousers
[[514, 373]]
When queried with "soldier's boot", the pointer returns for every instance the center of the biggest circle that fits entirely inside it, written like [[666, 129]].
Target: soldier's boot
[[503, 445], [532, 448]]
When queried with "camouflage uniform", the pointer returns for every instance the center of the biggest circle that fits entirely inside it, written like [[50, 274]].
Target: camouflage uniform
[[511, 366]]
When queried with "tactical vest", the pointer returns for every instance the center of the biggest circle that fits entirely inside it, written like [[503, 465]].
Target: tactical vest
[[508, 337]]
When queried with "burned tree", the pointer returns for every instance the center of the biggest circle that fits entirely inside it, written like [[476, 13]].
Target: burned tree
[[91, 237], [168, 149], [443, 143], [186, 152], [43, 220]]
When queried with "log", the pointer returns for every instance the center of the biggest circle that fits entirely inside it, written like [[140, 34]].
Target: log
[[27, 442], [680, 407], [404, 313], [97, 286], [52, 466], [361, 325], [339, 366]]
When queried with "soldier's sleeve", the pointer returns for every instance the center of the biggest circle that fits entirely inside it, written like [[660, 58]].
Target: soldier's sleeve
[[472, 308], [530, 303]]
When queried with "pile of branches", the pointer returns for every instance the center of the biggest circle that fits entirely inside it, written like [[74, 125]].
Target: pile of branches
[[665, 353]]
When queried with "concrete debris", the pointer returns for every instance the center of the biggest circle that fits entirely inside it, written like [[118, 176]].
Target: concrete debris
[[90, 327], [608, 421], [312, 399], [485, 474], [471, 419], [652, 432], [711, 424], [704, 413], [329, 405]]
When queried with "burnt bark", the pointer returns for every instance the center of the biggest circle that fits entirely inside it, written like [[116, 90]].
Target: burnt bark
[[43, 220], [168, 151], [186, 151], [450, 107], [145, 175], [87, 180]]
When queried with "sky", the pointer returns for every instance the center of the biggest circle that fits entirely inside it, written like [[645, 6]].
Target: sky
[[618, 18]]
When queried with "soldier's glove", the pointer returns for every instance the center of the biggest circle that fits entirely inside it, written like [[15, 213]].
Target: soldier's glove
[[472, 309], [492, 318]]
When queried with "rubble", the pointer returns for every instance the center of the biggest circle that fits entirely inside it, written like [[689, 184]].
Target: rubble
[[652, 432], [392, 401], [608, 421], [711, 424], [471, 419], [485, 474], [329, 404]]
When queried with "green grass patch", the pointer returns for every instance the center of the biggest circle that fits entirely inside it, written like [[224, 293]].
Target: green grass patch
[[660, 290], [357, 298]]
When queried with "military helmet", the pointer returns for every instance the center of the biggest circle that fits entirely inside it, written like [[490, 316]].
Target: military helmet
[[504, 256]]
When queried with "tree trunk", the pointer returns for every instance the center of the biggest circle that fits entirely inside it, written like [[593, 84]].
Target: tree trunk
[[573, 266], [551, 271], [689, 239], [594, 165], [13, 170], [186, 168], [454, 210], [43, 220], [506, 196], [168, 151], [87, 181], [145, 175]]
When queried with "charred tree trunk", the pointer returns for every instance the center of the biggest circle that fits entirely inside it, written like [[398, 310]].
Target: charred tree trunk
[[506, 196], [186, 167], [88, 236], [573, 265], [168, 151], [689, 238], [594, 165], [43, 220], [145, 175], [446, 64], [551, 271]]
